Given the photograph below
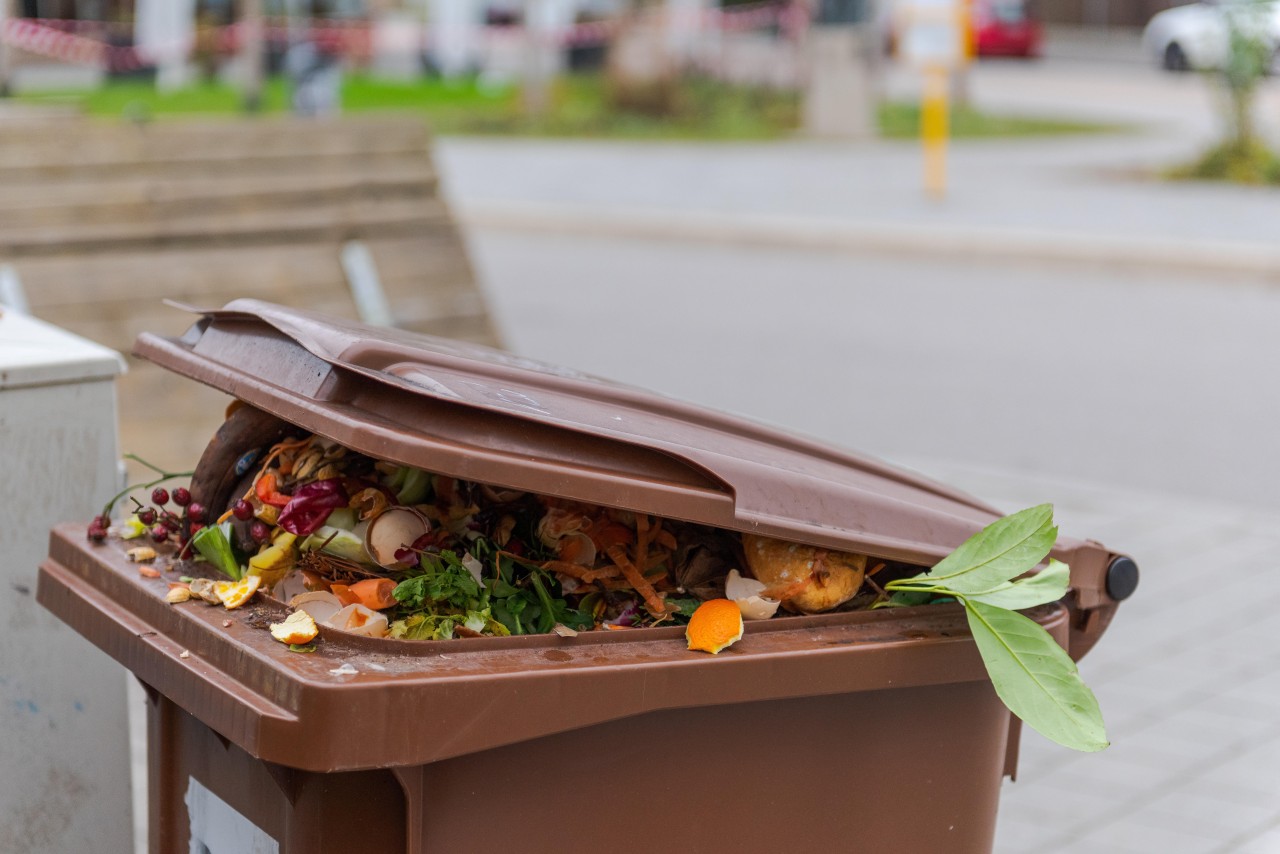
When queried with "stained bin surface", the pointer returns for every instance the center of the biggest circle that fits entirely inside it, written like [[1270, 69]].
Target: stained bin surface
[[813, 731]]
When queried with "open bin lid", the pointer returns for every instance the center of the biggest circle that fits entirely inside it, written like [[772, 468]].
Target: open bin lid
[[485, 415]]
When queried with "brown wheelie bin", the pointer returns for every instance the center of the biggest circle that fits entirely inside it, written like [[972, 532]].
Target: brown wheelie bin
[[870, 730]]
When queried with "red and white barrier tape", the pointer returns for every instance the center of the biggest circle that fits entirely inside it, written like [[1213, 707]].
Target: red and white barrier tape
[[73, 41]]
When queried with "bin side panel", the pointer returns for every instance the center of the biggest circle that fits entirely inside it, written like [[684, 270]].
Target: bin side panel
[[902, 770]]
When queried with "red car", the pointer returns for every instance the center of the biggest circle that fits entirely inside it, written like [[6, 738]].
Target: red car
[[1005, 28]]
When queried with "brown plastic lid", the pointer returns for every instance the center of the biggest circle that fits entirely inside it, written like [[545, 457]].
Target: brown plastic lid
[[486, 415]]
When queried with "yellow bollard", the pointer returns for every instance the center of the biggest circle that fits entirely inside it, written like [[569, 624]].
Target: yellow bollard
[[933, 130]]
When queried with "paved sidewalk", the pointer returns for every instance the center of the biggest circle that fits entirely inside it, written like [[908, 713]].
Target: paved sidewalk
[[1188, 677], [1080, 198]]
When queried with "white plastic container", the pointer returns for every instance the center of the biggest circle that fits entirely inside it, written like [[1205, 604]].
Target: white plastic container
[[62, 701]]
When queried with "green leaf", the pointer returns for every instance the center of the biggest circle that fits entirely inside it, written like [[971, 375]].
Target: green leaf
[[909, 598], [213, 545], [1035, 678], [1003, 550], [1047, 585], [683, 607]]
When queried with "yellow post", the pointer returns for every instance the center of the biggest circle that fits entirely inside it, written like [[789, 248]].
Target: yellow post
[[934, 131]]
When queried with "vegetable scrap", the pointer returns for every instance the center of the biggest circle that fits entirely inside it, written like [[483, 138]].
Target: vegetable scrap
[[378, 549], [374, 548]]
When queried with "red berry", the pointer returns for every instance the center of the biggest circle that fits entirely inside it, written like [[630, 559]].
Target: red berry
[[147, 516], [181, 496], [170, 520], [97, 533], [242, 510], [195, 512], [159, 533], [103, 521], [260, 532], [196, 528], [159, 496]]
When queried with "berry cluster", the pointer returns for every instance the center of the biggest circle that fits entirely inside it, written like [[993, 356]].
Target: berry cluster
[[164, 523], [259, 530]]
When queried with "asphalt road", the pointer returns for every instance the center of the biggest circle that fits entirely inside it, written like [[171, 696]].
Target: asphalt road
[[1155, 381], [1138, 350]]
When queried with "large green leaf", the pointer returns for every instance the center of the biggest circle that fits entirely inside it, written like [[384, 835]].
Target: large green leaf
[[1047, 585], [999, 552], [1035, 678]]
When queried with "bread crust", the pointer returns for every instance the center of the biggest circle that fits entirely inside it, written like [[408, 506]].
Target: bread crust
[[807, 579]]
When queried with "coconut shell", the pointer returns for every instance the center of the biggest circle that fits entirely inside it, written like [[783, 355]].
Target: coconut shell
[[807, 579]]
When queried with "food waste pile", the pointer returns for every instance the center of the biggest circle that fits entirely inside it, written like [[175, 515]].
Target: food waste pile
[[376, 548]]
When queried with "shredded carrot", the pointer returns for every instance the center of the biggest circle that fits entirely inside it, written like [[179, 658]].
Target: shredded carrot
[[641, 585], [644, 535], [564, 568], [605, 534], [603, 572]]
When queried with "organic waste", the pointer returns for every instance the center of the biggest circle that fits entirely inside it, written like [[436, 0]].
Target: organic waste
[[374, 548]]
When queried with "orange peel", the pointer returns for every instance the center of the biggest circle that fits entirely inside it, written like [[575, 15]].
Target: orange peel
[[715, 625], [233, 594], [297, 628]]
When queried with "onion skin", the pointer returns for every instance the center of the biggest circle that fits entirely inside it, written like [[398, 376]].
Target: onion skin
[[808, 579]]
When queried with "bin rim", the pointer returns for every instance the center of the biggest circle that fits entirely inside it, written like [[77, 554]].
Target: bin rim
[[415, 706]]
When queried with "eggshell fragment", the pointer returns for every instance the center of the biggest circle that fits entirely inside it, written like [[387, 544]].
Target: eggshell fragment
[[745, 593], [359, 620], [320, 605]]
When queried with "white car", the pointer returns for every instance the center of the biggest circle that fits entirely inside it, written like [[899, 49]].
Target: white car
[[1196, 37]]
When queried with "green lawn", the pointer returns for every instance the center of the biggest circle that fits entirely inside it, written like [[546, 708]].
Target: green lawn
[[580, 106]]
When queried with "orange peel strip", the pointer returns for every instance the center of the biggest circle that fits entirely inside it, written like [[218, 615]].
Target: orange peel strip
[[638, 582], [564, 568], [601, 574]]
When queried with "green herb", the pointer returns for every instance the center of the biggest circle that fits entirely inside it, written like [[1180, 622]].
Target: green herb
[[213, 545], [516, 597], [1031, 673], [445, 581], [684, 607]]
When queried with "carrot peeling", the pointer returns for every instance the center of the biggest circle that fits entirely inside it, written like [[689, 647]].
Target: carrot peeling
[[641, 585]]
